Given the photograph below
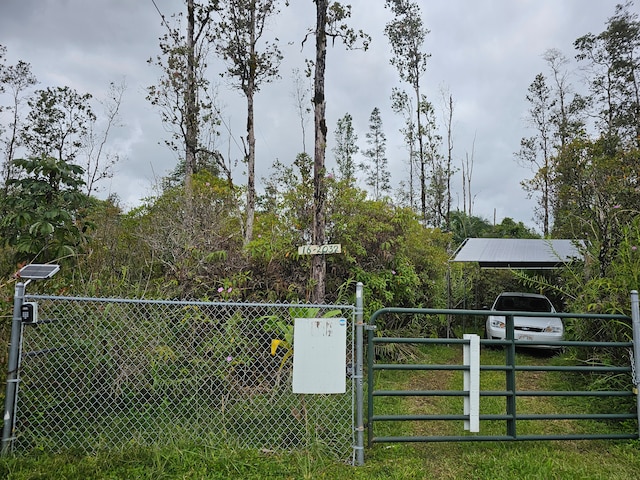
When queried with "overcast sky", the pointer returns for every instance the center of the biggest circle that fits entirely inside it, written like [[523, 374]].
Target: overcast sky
[[485, 53]]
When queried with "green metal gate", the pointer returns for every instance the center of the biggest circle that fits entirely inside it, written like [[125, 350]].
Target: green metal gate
[[512, 412]]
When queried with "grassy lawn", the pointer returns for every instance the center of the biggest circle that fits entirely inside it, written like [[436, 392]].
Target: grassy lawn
[[489, 460]]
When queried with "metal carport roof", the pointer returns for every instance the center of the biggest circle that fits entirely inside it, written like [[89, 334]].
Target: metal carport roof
[[518, 253]]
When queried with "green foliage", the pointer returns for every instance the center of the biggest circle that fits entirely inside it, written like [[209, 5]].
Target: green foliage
[[598, 200], [238, 34], [44, 210], [377, 240], [407, 34], [611, 58], [192, 258], [509, 228], [400, 262], [596, 194], [609, 293], [117, 261], [337, 15], [465, 226], [583, 288], [283, 224]]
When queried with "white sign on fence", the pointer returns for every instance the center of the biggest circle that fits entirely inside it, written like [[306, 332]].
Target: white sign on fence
[[319, 355]]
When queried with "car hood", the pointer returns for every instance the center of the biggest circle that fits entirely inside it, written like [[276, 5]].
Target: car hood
[[522, 321]]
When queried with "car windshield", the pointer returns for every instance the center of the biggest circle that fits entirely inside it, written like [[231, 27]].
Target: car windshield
[[522, 304]]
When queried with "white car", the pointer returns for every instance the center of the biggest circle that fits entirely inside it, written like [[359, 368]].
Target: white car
[[536, 329]]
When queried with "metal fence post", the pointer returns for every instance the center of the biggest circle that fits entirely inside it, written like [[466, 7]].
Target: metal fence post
[[359, 377], [12, 370], [635, 319]]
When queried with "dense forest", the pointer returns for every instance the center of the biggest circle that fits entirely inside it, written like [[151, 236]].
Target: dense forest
[[203, 236]]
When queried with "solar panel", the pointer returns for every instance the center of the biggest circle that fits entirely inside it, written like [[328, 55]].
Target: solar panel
[[37, 271]]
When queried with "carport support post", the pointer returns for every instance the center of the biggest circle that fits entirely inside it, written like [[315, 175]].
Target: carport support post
[[12, 370], [635, 318]]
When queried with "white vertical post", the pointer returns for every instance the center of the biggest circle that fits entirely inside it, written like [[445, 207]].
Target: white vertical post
[[471, 358]]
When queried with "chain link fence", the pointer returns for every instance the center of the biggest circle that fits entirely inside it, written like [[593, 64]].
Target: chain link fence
[[106, 373]]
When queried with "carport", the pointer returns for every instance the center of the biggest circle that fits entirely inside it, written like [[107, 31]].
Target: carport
[[516, 254]]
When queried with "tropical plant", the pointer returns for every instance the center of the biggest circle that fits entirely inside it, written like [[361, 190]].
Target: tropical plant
[[45, 210], [284, 329]]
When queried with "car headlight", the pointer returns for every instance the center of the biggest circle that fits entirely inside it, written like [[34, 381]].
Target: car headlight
[[553, 329], [497, 323]]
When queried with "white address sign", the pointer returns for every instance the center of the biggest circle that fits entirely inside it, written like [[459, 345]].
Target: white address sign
[[319, 249]]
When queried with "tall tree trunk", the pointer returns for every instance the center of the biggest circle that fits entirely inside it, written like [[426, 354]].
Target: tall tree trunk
[[318, 264], [423, 173], [251, 137], [447, 220], [191, 123], [10, 150], [251, 172]]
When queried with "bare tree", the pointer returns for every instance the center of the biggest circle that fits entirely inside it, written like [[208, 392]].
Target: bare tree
[[569, 107], [238, 35], [436, 186], [99, 162], [300, 94], [467, 174], [402, 104], [318, 264], [449, 164]]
